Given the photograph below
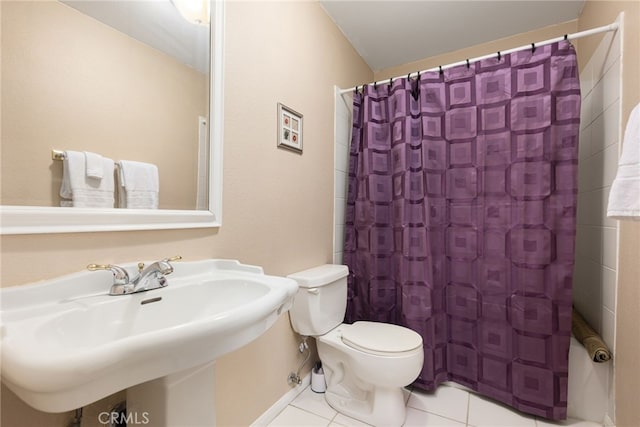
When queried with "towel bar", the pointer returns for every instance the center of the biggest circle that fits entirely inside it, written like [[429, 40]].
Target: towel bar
[[58, 155], [61, 155]]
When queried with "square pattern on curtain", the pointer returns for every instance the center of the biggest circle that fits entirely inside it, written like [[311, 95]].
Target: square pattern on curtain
[[461, 219]]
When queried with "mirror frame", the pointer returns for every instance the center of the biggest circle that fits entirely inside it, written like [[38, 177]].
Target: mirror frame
[[36, 220]]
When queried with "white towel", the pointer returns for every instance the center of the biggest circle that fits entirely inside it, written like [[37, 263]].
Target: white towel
[[624, 198], [139, 185], [95, 165], [81, 191]]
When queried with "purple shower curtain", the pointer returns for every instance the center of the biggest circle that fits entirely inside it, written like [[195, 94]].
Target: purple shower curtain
[[461, 220]]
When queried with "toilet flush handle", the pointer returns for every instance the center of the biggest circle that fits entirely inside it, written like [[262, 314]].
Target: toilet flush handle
[[314, 291]]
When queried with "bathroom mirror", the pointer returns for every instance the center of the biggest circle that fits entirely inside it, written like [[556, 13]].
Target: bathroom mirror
[[28, 216]]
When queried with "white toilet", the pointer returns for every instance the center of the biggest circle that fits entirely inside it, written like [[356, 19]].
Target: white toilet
[[366, 364]]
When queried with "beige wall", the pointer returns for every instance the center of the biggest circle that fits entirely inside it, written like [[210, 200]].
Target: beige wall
[[72, 83], [627, 374], [278, 205]]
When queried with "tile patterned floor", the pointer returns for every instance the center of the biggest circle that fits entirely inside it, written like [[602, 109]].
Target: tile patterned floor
[[446, 407]]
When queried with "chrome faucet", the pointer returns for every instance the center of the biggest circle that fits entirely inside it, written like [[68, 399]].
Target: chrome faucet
[[149, 278]]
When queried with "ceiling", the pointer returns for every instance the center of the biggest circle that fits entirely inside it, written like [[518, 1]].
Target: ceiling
[[156, 23], [385, 33], [388, 33]]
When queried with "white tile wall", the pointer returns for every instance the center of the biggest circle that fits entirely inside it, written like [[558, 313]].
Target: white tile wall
[[599, 144], [595, 275], [342, 129]]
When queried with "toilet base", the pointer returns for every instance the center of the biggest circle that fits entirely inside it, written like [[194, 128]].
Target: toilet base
[[390, 404], [367, 386]]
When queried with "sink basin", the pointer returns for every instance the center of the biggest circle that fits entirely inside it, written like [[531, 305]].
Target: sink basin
[[66, 343]]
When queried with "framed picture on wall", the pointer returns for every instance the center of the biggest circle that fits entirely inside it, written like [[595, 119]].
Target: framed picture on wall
[[289, 129]]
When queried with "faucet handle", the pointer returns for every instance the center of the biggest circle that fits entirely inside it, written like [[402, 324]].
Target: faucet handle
[[173, 258], [120, 275], [140, 267]]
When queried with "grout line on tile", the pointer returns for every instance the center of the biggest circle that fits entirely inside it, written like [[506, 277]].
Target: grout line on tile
[[333, 420], [444, 416], [314, 414], [468, 408]]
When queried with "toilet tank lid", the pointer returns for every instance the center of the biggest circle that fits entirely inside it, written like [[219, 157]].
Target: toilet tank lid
[[320, 276]]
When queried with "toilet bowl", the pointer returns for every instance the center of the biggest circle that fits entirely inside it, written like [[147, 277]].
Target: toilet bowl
[[366, 364], [367, 383]]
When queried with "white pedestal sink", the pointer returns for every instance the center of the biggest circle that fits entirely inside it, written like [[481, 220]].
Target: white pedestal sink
[[66, 343]]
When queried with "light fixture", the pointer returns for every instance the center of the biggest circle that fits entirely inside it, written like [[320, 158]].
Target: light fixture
[[194, 11]]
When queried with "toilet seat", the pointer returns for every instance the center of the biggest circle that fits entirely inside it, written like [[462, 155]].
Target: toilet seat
[[381, 338]]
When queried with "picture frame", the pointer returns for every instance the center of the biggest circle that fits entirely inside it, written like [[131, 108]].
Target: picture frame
[[289, 129]]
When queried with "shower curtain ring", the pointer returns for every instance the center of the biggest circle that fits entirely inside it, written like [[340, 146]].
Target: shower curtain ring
[[468, 66], [533, 47], [499, 56], [566, 37], [440, 67]]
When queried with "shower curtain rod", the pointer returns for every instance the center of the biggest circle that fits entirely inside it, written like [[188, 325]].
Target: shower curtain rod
[[603, 29]]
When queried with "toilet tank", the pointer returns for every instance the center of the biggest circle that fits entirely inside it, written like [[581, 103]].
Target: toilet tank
[[321, 301]]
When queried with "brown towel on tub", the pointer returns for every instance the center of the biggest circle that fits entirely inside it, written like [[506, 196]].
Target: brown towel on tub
[[595, 346]]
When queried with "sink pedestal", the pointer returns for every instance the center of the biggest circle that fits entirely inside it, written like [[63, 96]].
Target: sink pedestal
[[185, 398]]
